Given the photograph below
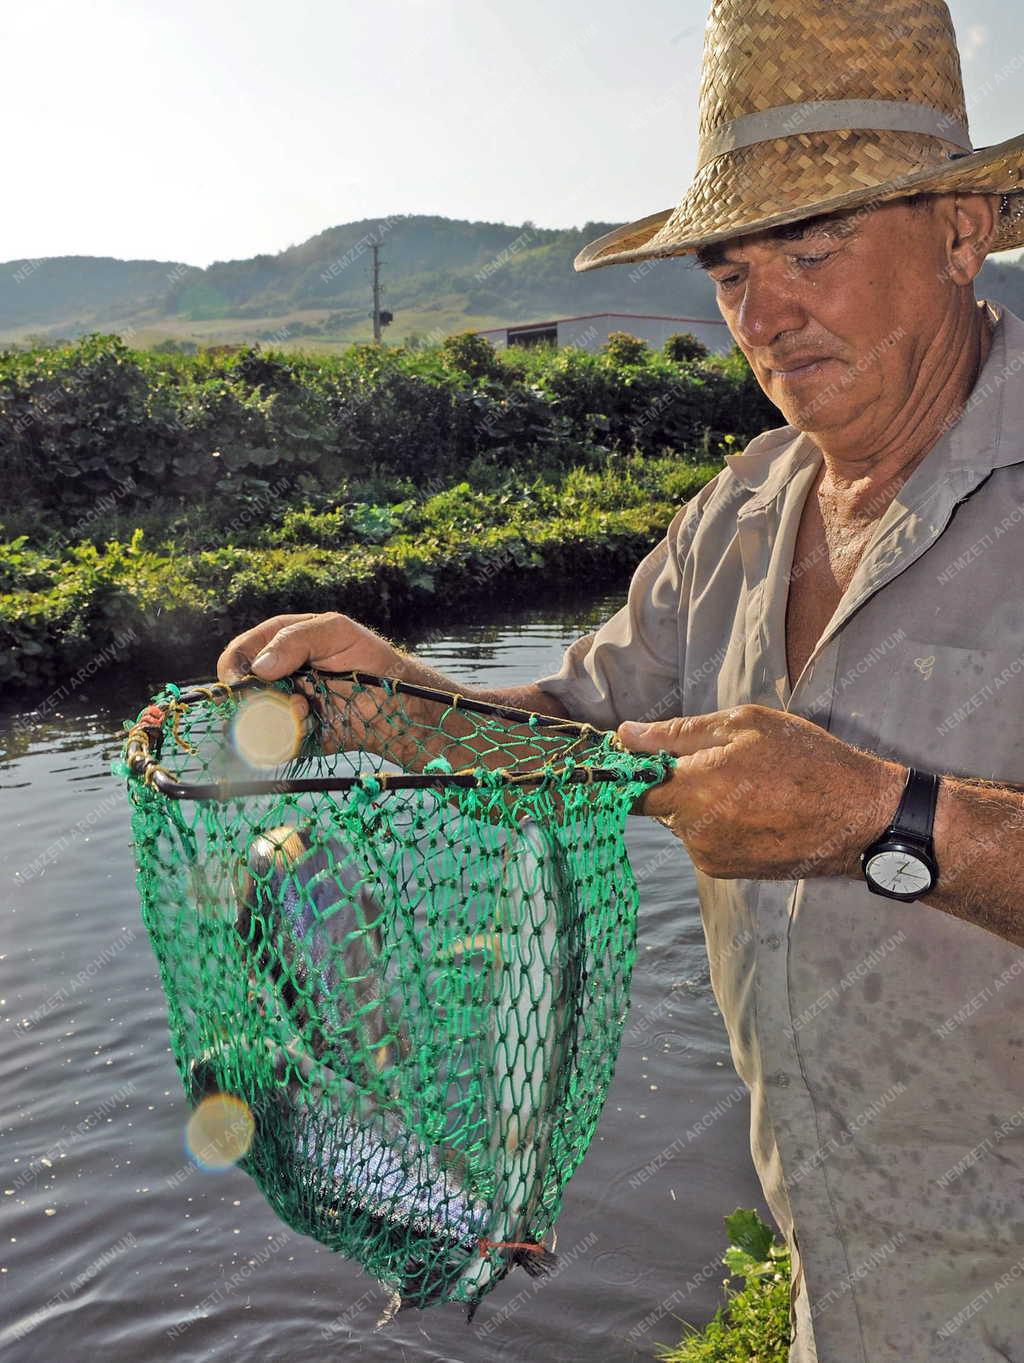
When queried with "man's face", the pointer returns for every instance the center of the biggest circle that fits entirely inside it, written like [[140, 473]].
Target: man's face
[[837, 323]]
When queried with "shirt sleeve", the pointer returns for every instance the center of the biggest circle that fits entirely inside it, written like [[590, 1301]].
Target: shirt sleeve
[[632, 667]]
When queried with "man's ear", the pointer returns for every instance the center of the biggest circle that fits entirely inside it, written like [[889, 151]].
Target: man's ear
[[977, 225]]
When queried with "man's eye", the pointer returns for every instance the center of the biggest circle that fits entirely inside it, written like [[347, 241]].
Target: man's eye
[[728, 281], [813, 260]]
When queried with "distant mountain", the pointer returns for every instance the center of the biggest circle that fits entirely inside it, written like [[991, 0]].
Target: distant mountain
[[40, 293], [439, 275]]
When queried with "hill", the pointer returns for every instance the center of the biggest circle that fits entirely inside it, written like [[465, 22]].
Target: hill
[[440, 275], [43, 293]]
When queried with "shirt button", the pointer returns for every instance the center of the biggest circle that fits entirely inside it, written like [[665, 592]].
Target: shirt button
[[773, 940], [779, 1079]]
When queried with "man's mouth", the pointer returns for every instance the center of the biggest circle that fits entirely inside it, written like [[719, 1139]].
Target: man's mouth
[[792, 371]]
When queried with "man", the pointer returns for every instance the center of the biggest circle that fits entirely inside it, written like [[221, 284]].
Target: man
[[856, 580]]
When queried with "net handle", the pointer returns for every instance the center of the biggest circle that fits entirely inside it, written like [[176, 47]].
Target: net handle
[[168, 785], [143, 741]]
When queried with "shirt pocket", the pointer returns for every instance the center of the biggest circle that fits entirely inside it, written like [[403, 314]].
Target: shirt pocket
[[956, 710]]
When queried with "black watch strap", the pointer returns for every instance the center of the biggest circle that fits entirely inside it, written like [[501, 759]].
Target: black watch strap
[[916, 812]]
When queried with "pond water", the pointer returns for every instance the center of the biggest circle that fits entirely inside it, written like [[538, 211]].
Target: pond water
[[114, 1246]]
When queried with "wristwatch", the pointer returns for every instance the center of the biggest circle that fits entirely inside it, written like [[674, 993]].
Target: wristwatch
[[901, 863]]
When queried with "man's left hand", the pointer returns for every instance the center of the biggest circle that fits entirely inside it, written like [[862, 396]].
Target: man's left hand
[[762, 794]]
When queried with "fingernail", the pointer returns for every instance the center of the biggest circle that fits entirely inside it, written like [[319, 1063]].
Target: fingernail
[[633, 730], [264, 659]]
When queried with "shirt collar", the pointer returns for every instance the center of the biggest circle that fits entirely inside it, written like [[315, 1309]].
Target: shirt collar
[[989, 433], [770, 462]]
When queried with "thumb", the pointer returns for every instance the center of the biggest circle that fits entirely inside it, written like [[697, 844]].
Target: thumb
[[285, 653], [319, 640], [667, 735]]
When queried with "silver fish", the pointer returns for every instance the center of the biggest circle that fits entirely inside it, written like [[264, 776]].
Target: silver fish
[[298, 903], [357, 1164], [531, 992], [313, 927], [379, 1168]]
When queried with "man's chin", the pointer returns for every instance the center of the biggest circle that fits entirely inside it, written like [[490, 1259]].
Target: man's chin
[[822, 410]]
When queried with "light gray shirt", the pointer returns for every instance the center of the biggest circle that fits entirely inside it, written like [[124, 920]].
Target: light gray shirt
[[883, 1043]]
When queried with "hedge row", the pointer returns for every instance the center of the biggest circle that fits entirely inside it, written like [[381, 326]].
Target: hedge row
[[60, 612], [94, 423]]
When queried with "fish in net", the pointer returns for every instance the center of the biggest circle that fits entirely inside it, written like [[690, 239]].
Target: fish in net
[[396, 945]]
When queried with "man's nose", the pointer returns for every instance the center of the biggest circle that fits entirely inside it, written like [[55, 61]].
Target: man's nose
[[768, 308]]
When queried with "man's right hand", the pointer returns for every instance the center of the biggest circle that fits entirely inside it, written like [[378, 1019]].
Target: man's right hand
[[284, 643], [330, 642]]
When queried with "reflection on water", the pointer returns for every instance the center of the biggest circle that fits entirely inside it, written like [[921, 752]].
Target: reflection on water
[[116, 1244]]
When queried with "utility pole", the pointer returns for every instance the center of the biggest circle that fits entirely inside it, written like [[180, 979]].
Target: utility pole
[[376, 293], [381, 316]]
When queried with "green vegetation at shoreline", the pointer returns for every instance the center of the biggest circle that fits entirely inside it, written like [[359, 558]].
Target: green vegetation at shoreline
[[753, 1325], [585, 529], [168, 501]]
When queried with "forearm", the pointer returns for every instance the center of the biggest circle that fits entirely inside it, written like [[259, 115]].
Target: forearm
[[820, 803], [978, 837], [528, 696], [979, 847], [413, 731]]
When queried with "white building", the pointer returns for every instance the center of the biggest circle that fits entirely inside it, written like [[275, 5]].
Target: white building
[[591, 331]]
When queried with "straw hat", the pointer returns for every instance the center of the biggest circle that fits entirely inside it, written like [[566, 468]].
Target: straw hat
[[818, 106]]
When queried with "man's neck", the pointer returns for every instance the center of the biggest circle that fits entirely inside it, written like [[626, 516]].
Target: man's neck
[[863, 492]]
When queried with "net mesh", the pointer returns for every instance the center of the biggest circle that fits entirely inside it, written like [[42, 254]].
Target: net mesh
[[395, 1001]]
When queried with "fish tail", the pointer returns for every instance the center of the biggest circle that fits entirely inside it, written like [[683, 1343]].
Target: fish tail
[[535, 1259]]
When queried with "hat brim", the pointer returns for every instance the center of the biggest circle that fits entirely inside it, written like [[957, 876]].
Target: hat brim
[[998, 169]]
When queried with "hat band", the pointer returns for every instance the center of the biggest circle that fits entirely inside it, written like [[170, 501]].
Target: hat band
[[831, 115]]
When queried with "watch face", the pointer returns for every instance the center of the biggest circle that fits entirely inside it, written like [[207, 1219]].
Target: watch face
[[899, 872]]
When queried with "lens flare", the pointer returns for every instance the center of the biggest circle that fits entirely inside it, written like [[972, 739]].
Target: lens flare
[[266, 731], [220, 1131]]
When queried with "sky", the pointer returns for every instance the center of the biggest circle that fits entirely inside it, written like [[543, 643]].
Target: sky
[[210, 130]]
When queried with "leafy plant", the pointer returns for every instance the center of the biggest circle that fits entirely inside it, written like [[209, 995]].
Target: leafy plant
[[753, 1251], [94, 433], [622, 348], [382, 562], [753, 1325], [684, 346], [472, 355]]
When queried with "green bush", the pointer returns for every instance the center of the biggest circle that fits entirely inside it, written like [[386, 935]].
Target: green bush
[[622, 348], [684, 346], [470, 354], [383, 563]]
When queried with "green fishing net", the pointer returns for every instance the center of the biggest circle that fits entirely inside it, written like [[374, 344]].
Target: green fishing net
[[396, 941]]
